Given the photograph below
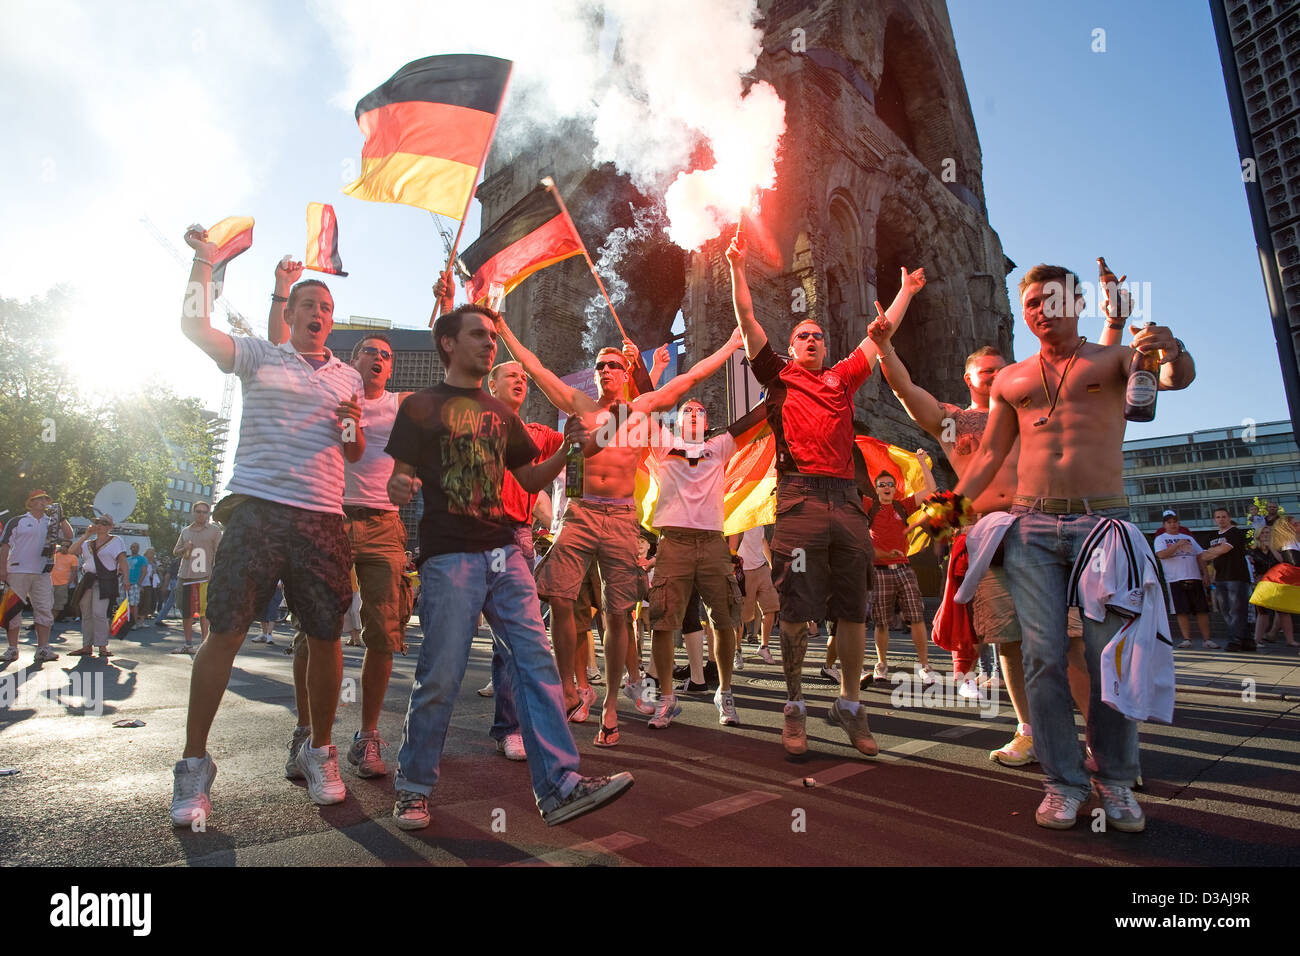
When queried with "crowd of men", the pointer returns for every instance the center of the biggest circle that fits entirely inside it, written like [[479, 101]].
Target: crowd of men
[[327, 455]]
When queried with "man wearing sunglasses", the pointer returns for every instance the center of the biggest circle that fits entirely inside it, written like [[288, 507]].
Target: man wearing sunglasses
[[602, 525], [821, 549], [378, 537]]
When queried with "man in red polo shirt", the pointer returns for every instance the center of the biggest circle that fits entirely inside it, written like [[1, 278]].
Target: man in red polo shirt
[[821, 550]]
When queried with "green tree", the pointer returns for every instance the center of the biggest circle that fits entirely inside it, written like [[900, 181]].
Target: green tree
[[72, 444]]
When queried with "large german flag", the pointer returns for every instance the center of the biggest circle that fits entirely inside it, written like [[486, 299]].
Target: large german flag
[[427, 132], [323, 240], [532, 234], [903, 467], [1279, 589], [749, 493]]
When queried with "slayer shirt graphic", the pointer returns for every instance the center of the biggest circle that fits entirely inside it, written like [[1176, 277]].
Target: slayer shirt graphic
[[461, 442]]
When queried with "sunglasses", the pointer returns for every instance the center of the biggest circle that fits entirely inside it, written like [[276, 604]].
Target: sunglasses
[[810, 335], [601, 366], [372, 350], [885, 484]]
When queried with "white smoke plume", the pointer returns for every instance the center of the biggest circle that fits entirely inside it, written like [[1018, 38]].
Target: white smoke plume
[[601, 330], [655, 79]]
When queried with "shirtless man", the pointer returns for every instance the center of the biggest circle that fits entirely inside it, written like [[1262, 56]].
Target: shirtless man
[[1066, 405], [602, 524], [958, 431]]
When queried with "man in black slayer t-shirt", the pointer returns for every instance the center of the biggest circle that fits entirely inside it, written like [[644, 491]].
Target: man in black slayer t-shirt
[[456, 442], [1231, 578], [821, 551]]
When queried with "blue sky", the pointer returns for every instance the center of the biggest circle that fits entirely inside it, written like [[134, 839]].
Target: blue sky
[[181, 112]]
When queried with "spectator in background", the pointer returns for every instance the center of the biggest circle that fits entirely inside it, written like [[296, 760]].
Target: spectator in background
[[1256, 519], [1263, 557], [64, 579], [26, 557], [197, 549], [149, 585], [136, 565], [1187, 578], [1227, 552], [103, 561], [170, 582]]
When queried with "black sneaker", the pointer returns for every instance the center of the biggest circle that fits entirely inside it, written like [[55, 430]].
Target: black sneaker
[[681, 671], [710, 674], [689, 686], [590, 793]]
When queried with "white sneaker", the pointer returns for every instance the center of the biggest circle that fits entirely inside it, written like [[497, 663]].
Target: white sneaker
[[366, 756], [726, 705], [926, 675], [486, 690], [765, 652], [880, 671], [321, 768], [1058, 811], [1122, 810], [301, 735], [636, 694], [968, 689], [192, 791], [739, 664], [44, 654], [832, 674], [9, 656], [667, 709], [513, 747]]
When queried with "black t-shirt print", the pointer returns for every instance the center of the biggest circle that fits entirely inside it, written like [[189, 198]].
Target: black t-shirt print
[[461, 442]]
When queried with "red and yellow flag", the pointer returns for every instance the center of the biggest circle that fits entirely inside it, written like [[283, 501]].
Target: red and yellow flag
[[322, 240], [11, 605], [1279, 589], [428, 130], [903, 467], [119, 617]]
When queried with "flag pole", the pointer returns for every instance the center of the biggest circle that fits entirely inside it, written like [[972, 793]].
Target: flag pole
[[549, 183], [451, 253]]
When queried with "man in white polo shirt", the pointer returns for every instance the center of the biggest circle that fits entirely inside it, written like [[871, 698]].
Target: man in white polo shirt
[[25, 567], [283, 518]]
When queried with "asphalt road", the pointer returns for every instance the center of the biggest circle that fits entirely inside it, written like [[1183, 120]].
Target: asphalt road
[[1221, 783]]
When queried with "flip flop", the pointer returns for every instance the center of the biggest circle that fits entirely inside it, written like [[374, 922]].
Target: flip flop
[[606, 736]]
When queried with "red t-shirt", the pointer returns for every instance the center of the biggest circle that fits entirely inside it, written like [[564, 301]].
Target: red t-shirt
[[889, 530], [811, 413], [519, 503]]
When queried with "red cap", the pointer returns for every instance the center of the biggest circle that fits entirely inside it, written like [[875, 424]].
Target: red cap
[[38, 493]]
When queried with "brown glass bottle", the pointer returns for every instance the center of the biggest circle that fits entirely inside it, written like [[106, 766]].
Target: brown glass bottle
[[1143, 382], [1108, 289]]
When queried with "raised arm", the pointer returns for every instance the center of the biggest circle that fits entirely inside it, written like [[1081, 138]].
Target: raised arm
[[754, 336], [196, 314], [287, 273], [928, 484], [1000, 435], [923, 407], [676, 390], [660, 365], [913, 282], [564, 397]]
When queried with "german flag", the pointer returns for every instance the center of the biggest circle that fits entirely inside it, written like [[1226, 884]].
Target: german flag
[[1279, 589], [749, 492], [233, 236], [532, 234], [11, 605], [902, 466], [322, 240], [428, 130], [119, 617]]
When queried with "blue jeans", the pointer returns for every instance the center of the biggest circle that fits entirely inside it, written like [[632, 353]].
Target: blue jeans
[[1231, 598], [505, 721], [170, 602], [1040, 549], [454, 590]]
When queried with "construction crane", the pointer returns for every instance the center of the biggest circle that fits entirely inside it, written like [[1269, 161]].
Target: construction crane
[[238, 326]]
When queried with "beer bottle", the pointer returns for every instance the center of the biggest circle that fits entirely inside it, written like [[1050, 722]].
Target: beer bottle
[[1143, 380], [573, 471], [1108, 287]]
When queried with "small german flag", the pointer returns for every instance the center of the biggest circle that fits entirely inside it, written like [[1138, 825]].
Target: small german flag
[[11, 605], [322, 240], [119, 618], [233, 236], [427, 132], [532, 234]]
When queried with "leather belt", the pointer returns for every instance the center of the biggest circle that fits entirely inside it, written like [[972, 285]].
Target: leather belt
[[359, 513], [1071, 506]]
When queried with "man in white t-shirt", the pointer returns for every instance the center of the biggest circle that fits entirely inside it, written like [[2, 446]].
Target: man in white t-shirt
[[283, 517], [1186, 577], [692, 552], [761, 600], [25, 568]]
